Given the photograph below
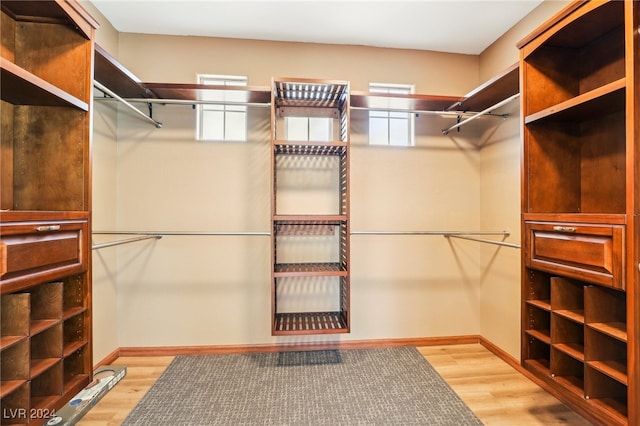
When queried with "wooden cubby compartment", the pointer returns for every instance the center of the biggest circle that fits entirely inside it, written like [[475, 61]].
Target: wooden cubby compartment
[[606, 393], [76, 366], [584, 55], [46, 389], [606, 311], [567, 298], [14, 318], [567, 336], [310, 179], [606, 354], [16, 405], [538, 323], [74, 297], [575, 117], [538, 289], [577, 167], [46, 87], [567, 371]]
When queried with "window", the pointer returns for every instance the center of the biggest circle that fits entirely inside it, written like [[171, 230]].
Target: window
[[316, 129], [388, 127], [223, 121]]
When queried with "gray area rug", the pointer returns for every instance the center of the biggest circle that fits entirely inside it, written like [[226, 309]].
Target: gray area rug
[[390, 386]]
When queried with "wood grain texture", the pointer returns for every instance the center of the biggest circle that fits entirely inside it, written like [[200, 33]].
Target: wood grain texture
[[496, 392]]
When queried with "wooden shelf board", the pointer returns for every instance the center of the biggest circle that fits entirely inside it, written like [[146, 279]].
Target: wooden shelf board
[[542, 335], [38, 326], [575, 315], [500, 87], [8, 386], [310, 219], [410, 102], [309, 323], [40, 365], [117, 78], [574, 350], [617, 370], [617, 330], [71, 347], [542, 304], [613, 407], [72, 312], [572, 383], [605, 99], [309, 148], [8, 341], [309, 269], [301, 92], [208, 92], [540, 366], [20, 87]]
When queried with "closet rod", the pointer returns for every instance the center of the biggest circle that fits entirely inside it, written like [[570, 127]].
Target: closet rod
[[444, 233], [426, 112], [481, 113], [190, 102], [482, 240], [184, 233], [105, 90], [125, 241]]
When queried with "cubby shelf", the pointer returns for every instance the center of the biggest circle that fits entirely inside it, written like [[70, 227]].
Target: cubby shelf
[[20, 87], [310, 323], [310, 239], [579, 95], [45, 192]]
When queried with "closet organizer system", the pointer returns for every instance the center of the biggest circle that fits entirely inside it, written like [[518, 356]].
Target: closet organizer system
[[580, 206], [45, 268], [307, 98]]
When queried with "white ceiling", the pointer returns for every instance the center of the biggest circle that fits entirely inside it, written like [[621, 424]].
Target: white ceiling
[[459, 26]]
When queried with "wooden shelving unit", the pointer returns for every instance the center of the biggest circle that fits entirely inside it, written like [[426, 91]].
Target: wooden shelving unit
[[45, 292], [310, 236], [580, 208]]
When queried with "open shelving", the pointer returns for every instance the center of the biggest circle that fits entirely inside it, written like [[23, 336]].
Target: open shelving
[[579, 203], [310, 210], [45, 270]]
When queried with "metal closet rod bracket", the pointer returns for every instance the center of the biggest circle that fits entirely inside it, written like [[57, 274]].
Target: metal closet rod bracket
[[124, 102], [125, 241], [463, 236], [481, 113]]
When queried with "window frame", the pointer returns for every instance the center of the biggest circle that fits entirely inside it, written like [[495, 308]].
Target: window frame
[[389, 116], [226, 109]]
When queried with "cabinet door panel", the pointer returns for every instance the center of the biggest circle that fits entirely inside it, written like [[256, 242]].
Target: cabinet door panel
[[592, 253], [40, 250]]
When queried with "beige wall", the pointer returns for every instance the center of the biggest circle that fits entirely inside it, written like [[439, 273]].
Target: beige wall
[[500, 193], [204, 290], [104, 168]]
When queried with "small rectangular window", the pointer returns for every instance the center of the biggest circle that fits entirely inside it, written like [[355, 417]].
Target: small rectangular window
[[223, 120], [391, 127], [313, 129]]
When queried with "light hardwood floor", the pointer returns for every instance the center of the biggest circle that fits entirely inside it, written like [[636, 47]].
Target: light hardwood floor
[[498, 394]]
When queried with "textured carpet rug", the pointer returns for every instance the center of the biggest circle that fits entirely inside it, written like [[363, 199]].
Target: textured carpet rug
[[390, 386]]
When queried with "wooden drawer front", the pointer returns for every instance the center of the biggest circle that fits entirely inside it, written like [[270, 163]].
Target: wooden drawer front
[[44, 250], [592, 253]]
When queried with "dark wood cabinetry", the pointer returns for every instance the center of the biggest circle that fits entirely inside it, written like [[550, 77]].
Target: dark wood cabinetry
[[579, 74], [45, 269]]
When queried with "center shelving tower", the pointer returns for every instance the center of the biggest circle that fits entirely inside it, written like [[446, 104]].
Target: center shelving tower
[[310, 228]]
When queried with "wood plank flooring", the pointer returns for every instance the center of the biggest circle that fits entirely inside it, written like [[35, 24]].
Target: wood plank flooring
[[498, 394]]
